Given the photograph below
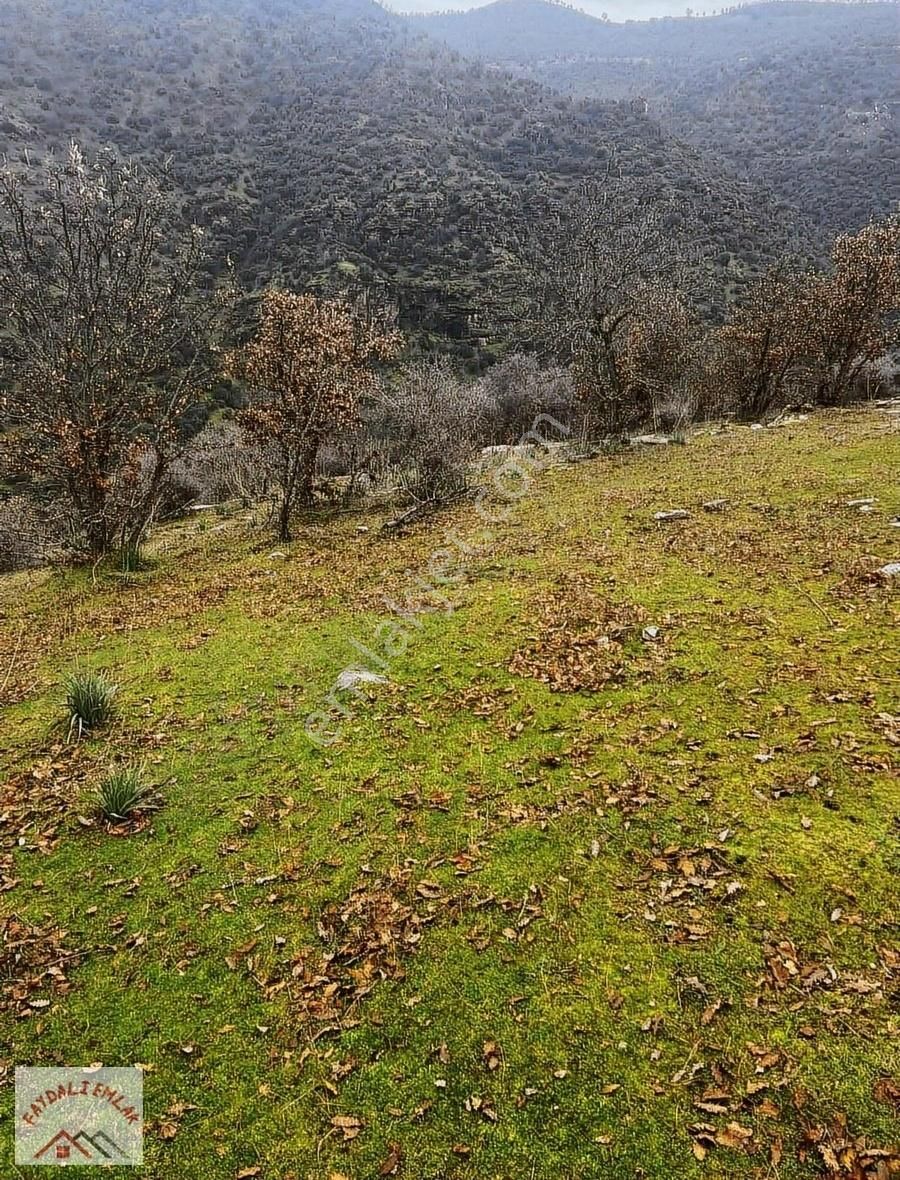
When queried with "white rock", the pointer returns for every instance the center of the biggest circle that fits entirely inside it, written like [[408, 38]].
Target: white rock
[[715, 505], [864, 503], [791, 420], [352, 676], [673, 514], [891, 570], [277, 555], [650, 633], [506, 452], [651, 440]]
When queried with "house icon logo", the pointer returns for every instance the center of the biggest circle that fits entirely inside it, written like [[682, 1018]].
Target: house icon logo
[[69, 1117], [91, 1148]]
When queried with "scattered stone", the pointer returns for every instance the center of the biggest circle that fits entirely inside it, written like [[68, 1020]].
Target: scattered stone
[[350, 677], [895, 523], [362, 528], [757, 426], [652, 440], [277, 555], [791, 420], [867, 502], [649, 634], [715, 505], [891, 570], [516, 451], [673, 514]]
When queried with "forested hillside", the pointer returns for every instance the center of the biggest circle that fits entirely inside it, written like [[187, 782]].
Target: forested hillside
[[331, 142], [802, 97]]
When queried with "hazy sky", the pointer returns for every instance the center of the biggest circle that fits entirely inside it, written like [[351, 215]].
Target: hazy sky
[[617, 9]]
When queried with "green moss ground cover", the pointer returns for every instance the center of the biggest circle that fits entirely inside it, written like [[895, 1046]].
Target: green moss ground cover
[[640, 920]]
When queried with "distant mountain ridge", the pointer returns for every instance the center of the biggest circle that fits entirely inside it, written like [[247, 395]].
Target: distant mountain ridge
[[801, 96], [325, 141]]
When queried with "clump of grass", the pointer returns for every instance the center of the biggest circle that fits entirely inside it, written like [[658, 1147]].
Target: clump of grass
[[121, 792], [90, 701], [130, 558]]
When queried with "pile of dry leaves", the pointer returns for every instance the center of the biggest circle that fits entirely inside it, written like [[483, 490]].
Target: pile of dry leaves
[[35, 804], [848, 1157], [580, 641], [686, 883], [367, 938], [33, 965]]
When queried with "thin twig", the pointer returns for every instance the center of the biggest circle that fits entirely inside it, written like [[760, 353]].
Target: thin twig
[[806, 594], [12, 662]]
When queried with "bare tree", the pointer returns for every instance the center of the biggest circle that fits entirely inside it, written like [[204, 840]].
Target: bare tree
[[593, 272], [307, 367], [106, 336]]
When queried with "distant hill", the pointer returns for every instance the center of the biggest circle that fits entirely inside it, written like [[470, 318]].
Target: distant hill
[[803, 97], [326, 140]]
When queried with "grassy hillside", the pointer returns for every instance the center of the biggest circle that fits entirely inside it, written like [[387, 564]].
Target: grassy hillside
[[571, 897]]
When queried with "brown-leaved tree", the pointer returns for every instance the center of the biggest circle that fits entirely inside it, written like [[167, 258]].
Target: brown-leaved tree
[[757, 360], [853, 308], [306, 369]]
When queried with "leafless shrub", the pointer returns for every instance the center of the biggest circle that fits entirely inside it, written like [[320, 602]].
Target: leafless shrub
[[359, 459], [520, 389], [220, 463], [437, 422], [29, 535]]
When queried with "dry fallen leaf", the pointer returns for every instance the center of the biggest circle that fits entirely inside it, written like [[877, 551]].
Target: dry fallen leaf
[[734, 1136], [391, 1165], [491, 1054], [348, 1123]]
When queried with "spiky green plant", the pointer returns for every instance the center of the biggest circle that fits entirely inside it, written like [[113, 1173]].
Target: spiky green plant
[[121, 792], [90, 701], [130, 558]]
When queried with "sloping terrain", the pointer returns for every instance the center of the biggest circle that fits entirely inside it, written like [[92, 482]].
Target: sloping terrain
[[800, 97], [602, 883], [323, 142]]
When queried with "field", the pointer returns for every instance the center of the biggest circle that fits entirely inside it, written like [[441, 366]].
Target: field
[[601, 883]]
